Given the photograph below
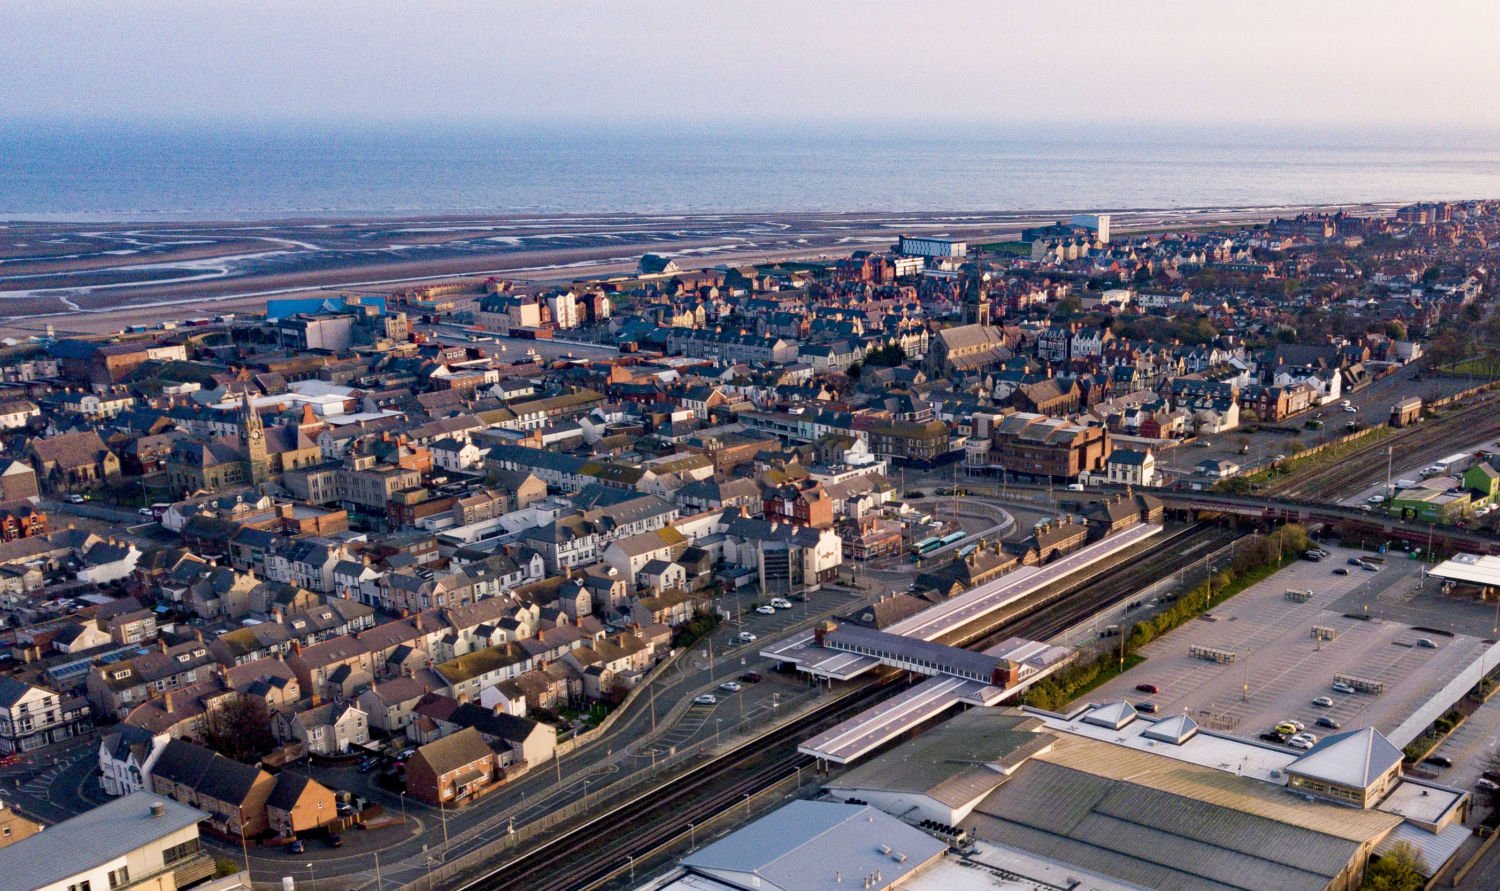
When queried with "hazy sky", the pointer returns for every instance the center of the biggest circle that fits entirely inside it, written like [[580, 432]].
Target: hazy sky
[[1374, 62]]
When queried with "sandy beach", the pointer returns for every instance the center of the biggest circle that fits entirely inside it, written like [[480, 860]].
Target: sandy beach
[[98, 278]]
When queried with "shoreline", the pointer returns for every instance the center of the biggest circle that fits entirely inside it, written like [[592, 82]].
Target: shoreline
[[128, 274]]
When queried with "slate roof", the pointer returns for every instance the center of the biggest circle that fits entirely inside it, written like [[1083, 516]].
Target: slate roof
[[454, 751]]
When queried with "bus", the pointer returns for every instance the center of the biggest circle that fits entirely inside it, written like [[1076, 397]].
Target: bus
[[953, 538], [926, 546]]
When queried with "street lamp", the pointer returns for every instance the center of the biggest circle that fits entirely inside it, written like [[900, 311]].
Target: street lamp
[[403, 807], [309, 877]]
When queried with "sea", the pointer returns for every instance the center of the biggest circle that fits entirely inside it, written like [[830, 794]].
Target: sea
[[121, 170]]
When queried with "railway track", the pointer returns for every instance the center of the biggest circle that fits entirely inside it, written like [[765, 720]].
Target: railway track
[[649, 825], [1480, 420], [665, 814]]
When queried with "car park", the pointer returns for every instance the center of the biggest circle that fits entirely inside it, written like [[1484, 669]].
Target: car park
[[705, 699], [1328, 722], [766, 610], [730, 687], [1323, 702], [1438, 761], [746, 637], [1148, 688]]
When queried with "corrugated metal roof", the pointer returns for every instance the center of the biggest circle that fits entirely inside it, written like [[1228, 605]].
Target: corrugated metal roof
[[1216, 787]]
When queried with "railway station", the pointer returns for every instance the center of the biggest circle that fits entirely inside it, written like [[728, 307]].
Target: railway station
[[956, 676]]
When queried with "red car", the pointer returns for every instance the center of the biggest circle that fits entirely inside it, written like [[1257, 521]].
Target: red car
[[8, 760], [1148, 688]]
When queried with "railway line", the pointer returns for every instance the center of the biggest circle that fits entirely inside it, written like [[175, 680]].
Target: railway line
[[669, 812], [1432, 439], [630, 834]]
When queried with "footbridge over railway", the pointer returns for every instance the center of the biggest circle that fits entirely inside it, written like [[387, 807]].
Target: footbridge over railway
[[1375, 524]]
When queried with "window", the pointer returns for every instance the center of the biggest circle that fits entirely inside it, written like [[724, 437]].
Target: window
[[175, 853], [119, 878], [80, 886]]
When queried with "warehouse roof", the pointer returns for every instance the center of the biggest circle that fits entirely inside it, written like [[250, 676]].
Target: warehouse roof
[[817, 846], [1470, 568], [1355, 758], [958, 761]]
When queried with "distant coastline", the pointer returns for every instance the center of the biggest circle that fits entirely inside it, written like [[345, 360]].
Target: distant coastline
[[97, 277], [109, 173]]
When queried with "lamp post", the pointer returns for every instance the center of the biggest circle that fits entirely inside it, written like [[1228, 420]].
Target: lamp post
[[692, 837], [310, 880], [403, 807], [443, 810]]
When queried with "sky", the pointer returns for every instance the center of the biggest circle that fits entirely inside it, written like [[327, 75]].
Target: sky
[[1375, 63]]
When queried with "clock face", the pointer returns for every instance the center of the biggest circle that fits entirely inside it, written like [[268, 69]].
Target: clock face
[[255, 434]]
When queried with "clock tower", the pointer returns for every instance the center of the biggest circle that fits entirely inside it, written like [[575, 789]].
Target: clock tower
[[253, 443]]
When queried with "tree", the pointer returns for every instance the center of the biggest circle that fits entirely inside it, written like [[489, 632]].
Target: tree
[[1399, 869], [1395, 330], [239, 729]]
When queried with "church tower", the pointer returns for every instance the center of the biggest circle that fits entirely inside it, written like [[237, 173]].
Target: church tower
[[253, 443]]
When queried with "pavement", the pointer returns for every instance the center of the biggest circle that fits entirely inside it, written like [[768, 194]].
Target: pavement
[[1279, 668]]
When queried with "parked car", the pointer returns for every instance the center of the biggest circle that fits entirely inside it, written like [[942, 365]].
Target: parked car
[[335, 840], [1286, 727], [730, 687], [1369, 567], [369, 764], [751, 677], [1484, 785], [1298, 742], [1438, 761], [1355, 561], [1342, 570], [1272, 736], [1311, 556], [746, 637], [77, 499], [1323, 702], [1148, 688], [1492, 775], [705, 699], [766, 610], [1426, 643], [296, 847], [781, 603], [1328, 722], [1341, 687], [145, 512], [1147, 707], [1351, 409], [9, 760]]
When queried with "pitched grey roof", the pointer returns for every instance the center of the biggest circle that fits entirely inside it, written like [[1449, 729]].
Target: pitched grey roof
[[91, 839], [1353, 758]]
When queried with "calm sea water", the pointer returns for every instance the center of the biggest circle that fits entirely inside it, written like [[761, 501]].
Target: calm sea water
[[120, 171]]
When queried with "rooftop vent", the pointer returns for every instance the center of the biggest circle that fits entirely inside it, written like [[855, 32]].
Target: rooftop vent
[[158, 809]]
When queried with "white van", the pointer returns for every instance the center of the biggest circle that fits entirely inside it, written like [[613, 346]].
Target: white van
[[781, 603]]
